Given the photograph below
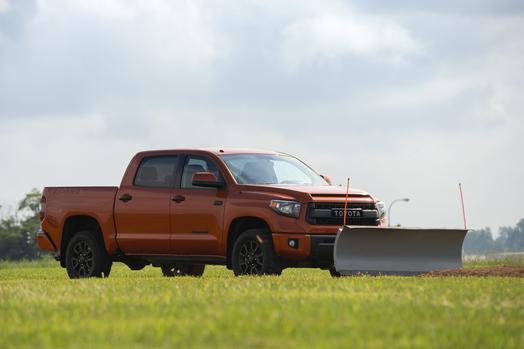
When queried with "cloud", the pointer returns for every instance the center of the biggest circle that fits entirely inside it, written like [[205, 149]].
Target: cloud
[[406, 99], [463, 7], [4, 6], [76, 56], [330, 36]]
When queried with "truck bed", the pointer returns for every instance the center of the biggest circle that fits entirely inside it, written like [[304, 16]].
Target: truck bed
[[64, 202]]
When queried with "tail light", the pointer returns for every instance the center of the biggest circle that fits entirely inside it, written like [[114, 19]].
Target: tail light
[[41, 214]]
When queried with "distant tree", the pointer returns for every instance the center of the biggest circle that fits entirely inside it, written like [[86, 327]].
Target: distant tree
[[31, 203], [29, 209], [512, 238], [480, 242], [18, 232], [11, 244]]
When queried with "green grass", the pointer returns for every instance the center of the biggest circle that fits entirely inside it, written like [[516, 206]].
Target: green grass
[[45, 262], [41, 308], [508, 261]]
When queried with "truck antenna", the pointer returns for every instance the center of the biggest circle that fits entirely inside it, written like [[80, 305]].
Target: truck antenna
[[346, 202], [462, 202]]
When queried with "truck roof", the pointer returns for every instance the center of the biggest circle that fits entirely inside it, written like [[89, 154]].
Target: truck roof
[[216, 150], [219, 151]]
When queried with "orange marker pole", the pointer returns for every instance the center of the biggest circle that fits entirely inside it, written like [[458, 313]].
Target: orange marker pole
[[462, 202], [346, 202]]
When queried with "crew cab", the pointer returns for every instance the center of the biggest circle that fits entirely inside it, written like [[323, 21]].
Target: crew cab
[[255, 211]]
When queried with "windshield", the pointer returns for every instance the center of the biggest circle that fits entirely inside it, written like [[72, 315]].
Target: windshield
[[270, 169]]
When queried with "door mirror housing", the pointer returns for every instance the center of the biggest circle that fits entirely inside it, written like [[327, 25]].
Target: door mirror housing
[[327, 179], [206, 179]]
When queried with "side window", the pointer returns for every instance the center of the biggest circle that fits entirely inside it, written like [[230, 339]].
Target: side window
[[194, 164], [157, 172]]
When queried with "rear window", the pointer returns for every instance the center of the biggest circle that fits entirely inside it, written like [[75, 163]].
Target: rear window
[[157, 172]]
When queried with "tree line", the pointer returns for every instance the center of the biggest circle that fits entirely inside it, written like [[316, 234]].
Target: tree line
[[509, 239], [18, 234], [18, 230]]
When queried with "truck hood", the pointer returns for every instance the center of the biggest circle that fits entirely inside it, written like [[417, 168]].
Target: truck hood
[[305, 193], [322, 190]]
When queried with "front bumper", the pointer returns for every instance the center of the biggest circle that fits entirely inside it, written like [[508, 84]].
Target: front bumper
[[312, 249], [322, 248]]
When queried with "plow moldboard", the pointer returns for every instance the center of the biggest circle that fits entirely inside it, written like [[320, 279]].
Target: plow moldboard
[[397, 251]]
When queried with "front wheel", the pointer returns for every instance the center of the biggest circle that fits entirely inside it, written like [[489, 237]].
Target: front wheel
[[253, 254], [86, 257], [183, 269]]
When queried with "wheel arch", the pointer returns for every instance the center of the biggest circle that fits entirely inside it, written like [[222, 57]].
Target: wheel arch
[[239, 225], [75, 224]]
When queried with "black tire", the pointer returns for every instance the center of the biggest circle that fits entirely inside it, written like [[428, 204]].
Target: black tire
[[107, 268], [86, 257], [183, 269], [253, 254]]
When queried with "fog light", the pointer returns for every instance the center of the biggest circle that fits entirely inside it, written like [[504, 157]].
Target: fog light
[[293, 243]]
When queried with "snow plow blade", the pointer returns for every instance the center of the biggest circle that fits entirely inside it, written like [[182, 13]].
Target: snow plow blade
[[397, 251]]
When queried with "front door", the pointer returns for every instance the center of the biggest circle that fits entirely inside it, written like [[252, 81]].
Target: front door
[[197, 212], [142, 210]]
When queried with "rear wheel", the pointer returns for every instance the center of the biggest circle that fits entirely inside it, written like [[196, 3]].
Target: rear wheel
[[86, 257], [183, 269], [107, 269], [253, 254]]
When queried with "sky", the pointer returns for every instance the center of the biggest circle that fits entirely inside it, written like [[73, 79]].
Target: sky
[[406, 99]]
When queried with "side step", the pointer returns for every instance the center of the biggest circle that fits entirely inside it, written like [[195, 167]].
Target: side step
[[397, 251]]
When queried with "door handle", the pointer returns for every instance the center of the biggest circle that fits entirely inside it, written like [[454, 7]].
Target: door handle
[[178, 198], [125, 198]]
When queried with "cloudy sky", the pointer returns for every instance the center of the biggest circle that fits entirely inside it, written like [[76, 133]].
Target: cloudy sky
[[406, 99]]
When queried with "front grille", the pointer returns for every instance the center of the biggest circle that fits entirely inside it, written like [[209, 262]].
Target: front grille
[[340, 220]]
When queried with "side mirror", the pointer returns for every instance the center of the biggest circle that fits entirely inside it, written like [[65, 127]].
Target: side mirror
[[206, 179], [327, 179]]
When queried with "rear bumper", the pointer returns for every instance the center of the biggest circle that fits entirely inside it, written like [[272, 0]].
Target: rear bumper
[[44, 242], [307, 249]]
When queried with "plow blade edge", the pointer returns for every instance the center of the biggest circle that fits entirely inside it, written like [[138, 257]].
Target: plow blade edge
[[397, 251]]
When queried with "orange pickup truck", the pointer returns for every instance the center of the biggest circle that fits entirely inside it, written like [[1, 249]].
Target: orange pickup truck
[[257, 212]]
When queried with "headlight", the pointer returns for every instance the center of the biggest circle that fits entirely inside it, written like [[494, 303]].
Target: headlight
[[286, 208], [381, 207]]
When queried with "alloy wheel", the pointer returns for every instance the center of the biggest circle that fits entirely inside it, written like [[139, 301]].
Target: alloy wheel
[[82, 259], [251, 258]]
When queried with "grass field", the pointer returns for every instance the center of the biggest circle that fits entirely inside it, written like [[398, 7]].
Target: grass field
[[41, 308]]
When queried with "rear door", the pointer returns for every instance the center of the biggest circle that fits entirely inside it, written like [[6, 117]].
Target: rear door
[[197, 212], [142, 210]]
